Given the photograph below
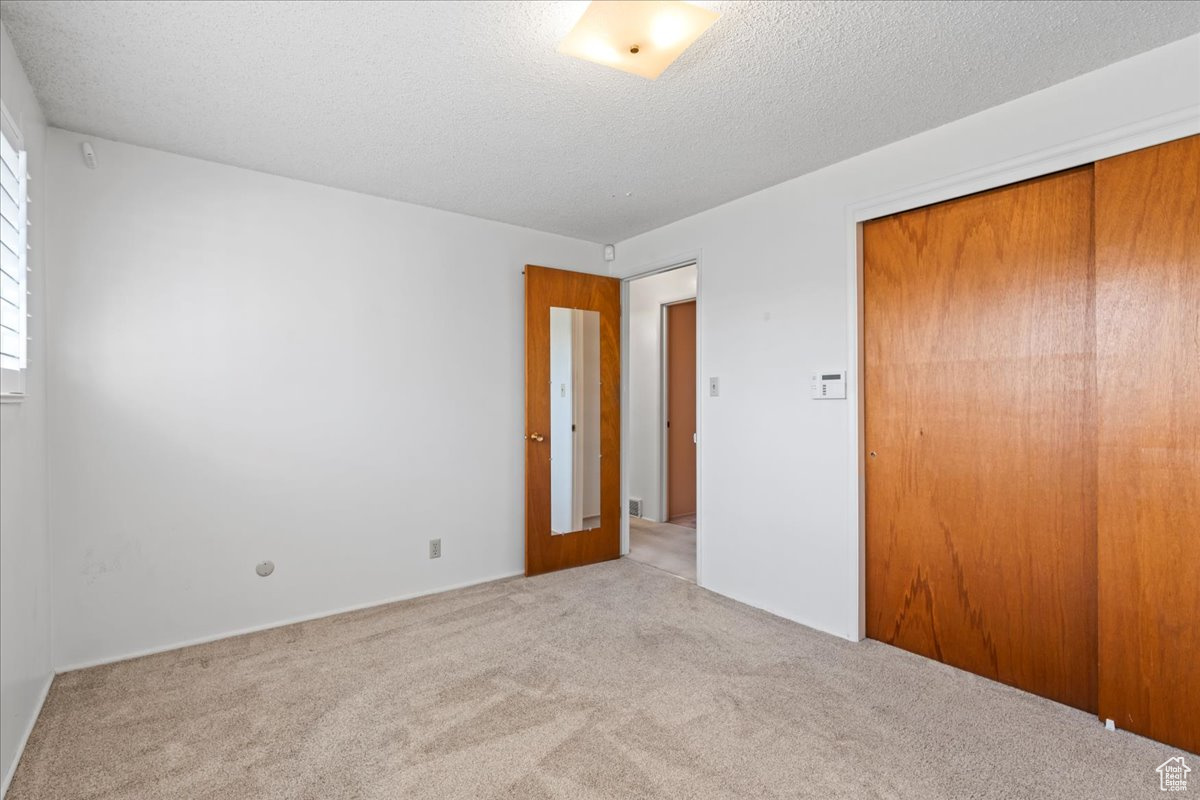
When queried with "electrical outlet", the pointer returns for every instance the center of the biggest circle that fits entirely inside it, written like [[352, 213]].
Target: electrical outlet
[[435, 548]]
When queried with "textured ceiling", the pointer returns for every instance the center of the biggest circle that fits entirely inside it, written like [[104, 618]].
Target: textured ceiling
[[468, 107]]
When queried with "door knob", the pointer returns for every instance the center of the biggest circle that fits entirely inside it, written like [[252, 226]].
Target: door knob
[[537, 437]]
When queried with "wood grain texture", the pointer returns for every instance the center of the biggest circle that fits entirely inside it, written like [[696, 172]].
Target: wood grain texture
[[546, 287], [1148, 374], [681, 409], [980, 410]]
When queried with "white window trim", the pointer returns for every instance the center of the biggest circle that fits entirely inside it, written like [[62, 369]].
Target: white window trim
[[12, 381]]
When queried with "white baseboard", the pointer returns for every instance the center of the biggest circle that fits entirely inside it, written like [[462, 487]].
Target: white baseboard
[[776, 612], [279, 624], [33, 718]]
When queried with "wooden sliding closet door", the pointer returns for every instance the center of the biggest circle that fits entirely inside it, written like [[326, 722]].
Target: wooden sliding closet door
[[1148, 367], [980, 430]]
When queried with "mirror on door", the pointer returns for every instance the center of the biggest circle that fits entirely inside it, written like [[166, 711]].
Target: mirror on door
[[574, 420]]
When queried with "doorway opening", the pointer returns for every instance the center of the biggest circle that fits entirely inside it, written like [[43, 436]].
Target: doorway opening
[[663, 394]]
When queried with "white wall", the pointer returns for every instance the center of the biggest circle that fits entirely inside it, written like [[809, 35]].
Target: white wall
[[25, 661], [246, 367], [646, 297], [779, 486]]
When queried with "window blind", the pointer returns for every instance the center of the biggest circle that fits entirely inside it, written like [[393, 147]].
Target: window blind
[[13, 254]]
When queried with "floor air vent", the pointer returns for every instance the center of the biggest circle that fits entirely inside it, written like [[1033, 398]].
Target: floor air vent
[[635, 506]]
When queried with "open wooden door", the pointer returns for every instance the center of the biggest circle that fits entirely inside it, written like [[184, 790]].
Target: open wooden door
[[572, 419], [681, 410]]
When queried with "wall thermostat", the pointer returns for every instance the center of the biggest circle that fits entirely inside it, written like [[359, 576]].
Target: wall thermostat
[[828, 385]]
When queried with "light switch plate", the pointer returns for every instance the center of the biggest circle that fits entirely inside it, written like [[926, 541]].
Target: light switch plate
[[714, 387]]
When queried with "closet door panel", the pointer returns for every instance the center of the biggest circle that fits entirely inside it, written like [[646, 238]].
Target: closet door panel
[[1148, 377], [980, 431]]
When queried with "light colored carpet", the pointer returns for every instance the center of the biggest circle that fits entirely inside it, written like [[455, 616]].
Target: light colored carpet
[[686, 520], [612, 681], [663, 545]]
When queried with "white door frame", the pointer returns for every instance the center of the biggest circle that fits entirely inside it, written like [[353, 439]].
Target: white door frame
[[654, 268]]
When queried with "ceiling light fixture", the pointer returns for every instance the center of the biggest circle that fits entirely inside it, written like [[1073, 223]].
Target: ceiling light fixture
[[639, 36]]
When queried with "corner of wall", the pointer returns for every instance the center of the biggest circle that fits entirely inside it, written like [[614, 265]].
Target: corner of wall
[[25, 631]]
